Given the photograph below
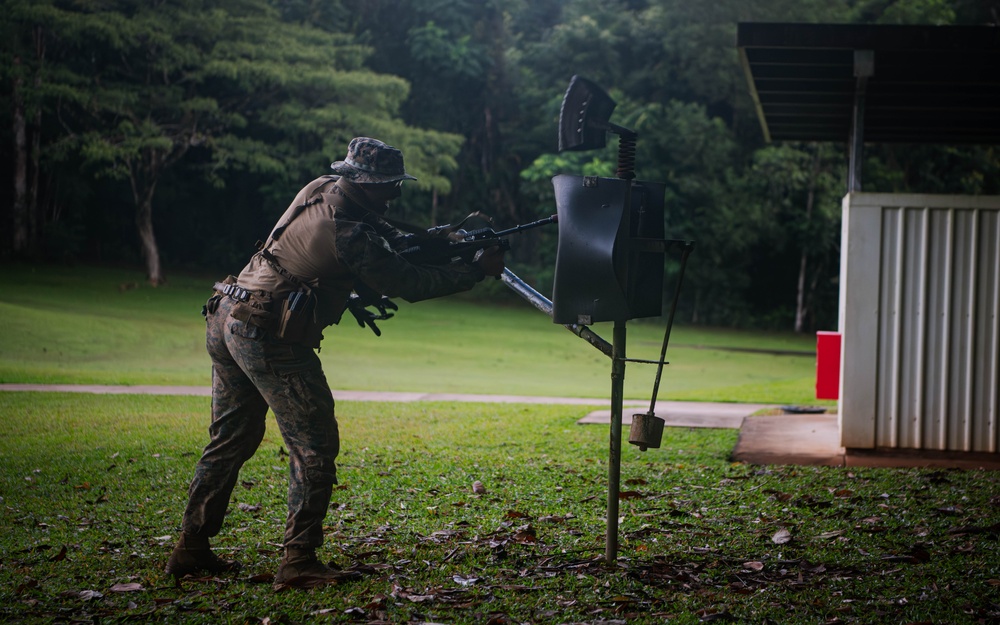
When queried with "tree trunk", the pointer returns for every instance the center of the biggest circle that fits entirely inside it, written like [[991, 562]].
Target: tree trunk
[[800, 297], [434, 207], [150, 251], [36, 220], [800, 308], [143, 177], [144, 172], [20, 239]]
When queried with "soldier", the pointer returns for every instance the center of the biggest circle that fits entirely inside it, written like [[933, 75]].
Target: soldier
[[263, 326]]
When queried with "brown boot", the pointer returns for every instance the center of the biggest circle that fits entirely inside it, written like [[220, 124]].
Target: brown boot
[[193, 555], [301, 567]]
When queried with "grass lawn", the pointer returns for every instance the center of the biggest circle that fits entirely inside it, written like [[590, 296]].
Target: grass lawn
[[106, 326], [93, 488]]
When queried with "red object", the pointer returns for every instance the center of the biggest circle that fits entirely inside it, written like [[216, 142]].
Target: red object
[[828, 365]]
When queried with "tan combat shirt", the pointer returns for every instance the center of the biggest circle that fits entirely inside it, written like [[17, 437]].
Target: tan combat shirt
[[334, 241]]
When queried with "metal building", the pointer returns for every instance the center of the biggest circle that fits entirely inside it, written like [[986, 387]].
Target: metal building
[[920, 274]]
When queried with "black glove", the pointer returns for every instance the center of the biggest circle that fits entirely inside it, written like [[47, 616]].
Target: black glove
[[356, 305]]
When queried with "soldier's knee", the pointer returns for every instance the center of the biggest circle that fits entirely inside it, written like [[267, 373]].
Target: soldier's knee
[[321, 471]]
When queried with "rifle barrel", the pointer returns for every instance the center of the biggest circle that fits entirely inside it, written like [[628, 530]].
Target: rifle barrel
[[541, 222], [543, 304]]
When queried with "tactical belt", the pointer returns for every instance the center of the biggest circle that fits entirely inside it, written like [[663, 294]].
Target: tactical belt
[[234, 291]]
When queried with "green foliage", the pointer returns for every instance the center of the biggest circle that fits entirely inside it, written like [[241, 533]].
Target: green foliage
[[429, 44], [226, 108], [226, 78], [936, 12]]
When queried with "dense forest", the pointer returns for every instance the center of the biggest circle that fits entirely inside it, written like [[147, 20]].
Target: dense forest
[[170, 134]]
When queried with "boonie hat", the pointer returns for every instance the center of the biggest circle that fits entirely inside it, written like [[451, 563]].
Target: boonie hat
[[371, 161]]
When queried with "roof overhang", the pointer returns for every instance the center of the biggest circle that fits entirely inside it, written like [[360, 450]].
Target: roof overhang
[[919, 84]]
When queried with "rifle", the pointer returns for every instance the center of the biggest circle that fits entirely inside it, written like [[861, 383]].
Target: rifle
[[462, 244], [440, 245]]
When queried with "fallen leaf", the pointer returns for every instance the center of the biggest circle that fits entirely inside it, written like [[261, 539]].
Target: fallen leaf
[[918, 555], [463, 580], [129, 587], [829, 535], [262, 578], [976, 529], [478, 488], [87, 595], [30, 584], [440, 535], [706, 616], [378, 601], [525, 535], [245, 507], [404, 593], [309, 581], [754, 566], [781, 537]]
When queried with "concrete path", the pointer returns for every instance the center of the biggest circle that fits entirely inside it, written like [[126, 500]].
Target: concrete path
[[387, 396], [764, 439], [688, 414]]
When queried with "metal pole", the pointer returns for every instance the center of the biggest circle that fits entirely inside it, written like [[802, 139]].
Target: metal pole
[[615, 453], [543, 304], [626, 172], [864, 68], [670, 323]]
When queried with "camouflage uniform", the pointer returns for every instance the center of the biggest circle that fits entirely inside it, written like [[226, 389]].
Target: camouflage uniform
[[326, 240]]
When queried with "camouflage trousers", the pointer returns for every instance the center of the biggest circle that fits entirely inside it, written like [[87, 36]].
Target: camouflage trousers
[[251, 372]]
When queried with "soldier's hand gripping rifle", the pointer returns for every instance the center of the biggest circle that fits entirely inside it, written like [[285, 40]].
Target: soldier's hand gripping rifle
[[439, 245], [364, 297], [435, 249]]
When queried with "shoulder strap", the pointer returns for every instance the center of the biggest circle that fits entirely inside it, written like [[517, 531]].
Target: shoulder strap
[[309, 190], [284, 273], [280, 229]]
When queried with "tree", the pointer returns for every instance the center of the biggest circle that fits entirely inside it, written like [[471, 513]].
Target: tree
[[452, 54], [164, 79], [32, 83], [226, 78], [799, 186]]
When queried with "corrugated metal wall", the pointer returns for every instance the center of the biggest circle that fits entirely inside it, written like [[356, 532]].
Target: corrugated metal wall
[[937, 353]]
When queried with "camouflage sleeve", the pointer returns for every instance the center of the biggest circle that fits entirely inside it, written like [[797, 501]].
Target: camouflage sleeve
[[397, 239], [373, 260]]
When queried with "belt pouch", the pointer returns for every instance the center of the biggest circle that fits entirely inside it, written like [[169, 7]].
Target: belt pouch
[[211, 305], [296, 316]]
